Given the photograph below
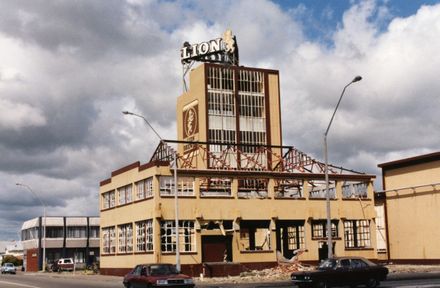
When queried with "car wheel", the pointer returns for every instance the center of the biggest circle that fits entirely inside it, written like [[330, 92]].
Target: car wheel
[[127, 285], [371, 283]]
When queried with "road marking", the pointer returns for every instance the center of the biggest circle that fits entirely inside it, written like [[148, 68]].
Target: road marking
[[18, 284], [419, 286]]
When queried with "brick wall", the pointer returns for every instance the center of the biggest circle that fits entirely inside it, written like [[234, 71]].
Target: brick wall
[[32, 260]]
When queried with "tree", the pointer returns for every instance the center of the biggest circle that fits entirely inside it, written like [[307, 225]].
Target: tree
[[12, 259]]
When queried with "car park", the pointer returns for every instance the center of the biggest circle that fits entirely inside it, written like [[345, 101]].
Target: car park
[[157, 275], [63, 264], [8, 268], [342, 271]]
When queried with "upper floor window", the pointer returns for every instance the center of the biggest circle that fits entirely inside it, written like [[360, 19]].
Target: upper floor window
[[125, 194], [108, 199], [185, 186], [29, 234], [94, 232], [215, 186], [54, 232], [144, 188], [355, 190], [76, 232]]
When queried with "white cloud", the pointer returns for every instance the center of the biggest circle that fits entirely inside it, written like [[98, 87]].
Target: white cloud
[[19, 115]]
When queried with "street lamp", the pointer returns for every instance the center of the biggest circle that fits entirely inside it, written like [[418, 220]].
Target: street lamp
[[176, 202], [44, 221], [329, 225]]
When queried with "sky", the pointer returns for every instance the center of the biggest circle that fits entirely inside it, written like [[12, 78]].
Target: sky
[[68, 69]]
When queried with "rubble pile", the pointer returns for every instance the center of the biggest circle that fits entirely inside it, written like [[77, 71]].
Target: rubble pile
[[278, 273]]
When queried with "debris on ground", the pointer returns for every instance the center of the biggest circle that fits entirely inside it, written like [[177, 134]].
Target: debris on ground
[[278, 273]]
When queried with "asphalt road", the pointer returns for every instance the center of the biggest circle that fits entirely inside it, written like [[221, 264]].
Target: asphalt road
[[80, 281]]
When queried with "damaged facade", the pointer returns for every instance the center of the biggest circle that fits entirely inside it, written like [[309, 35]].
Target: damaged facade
[[243, 196]]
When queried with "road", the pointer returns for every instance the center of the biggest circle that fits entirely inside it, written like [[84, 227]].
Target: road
[[80, 281]]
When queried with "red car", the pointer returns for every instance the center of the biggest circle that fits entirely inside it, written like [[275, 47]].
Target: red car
[[156, 275]]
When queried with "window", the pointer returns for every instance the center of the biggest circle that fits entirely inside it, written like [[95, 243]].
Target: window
[[144, 236], [79, 257], [318, 189], [125, 238], [94, 232], [108, 199], [54, 232], [186, 236], [28, 234], [185, 186], [357, 233], [319, 229], [288, 188], [295, 237], [355, 190], [255, 235], [124, 194], [215, 186], [144, 189], [252, 188], [76, 232], [291, 235], [108, 240]]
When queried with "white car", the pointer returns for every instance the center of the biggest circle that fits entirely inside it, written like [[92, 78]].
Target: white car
[[8, 268]]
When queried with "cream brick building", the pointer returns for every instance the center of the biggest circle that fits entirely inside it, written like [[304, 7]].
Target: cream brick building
[[243, 196], [410, 203]]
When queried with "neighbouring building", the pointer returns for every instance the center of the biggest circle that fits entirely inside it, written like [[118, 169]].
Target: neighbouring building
[[242, 195], [410, 202], [66, 237], [13, 248]]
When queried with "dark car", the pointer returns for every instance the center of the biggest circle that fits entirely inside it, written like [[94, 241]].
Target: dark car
[[342, 271], [156, 275]]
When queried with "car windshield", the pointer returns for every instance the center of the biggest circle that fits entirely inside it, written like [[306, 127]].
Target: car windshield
[[327, 264], [9, 265], [162, 270]]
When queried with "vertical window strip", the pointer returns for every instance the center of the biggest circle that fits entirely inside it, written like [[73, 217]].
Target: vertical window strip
[[144, 188], [108, 199], [125, 238]]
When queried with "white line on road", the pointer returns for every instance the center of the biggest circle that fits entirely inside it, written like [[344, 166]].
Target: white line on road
[[18, 284]]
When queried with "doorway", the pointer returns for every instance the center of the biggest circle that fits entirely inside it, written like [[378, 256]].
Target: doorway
[[217, 248]]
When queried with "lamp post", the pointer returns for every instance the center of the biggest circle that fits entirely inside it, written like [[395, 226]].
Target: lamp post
[[176, 202], [329, 224], [44, 221]]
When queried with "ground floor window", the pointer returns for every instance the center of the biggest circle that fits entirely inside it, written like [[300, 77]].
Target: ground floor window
[[255, 235], [79, 257], [187, 239], [319, 229], [108, 240], [144, 236], [357, 233], [125, 238]]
